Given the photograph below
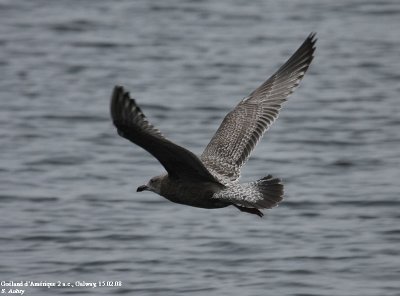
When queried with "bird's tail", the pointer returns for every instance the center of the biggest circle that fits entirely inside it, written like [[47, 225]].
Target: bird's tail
[[270, 192], [265, 193]]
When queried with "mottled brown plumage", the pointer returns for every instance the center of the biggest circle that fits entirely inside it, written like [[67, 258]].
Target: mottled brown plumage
[[211, 181], [244, 126]]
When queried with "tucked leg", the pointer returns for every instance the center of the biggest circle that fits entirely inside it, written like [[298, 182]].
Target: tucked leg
[[250, 210]]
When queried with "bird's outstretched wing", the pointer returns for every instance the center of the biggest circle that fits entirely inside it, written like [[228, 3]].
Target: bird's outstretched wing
[[132, 124], [244, 126]]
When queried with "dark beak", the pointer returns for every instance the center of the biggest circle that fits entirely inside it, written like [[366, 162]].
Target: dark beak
[[142, 188]]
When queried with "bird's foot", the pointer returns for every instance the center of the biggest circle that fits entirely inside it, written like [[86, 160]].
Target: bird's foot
[[250, 210]]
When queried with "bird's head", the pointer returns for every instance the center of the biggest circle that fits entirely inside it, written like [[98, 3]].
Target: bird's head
[[154, 185]]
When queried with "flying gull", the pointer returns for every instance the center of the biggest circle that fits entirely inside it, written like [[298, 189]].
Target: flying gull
[[212, 180]]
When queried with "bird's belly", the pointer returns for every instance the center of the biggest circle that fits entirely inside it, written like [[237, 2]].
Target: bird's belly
[[208, 203], [195, 196]]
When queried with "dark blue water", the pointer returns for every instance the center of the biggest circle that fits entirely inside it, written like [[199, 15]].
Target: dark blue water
[[68, 207]]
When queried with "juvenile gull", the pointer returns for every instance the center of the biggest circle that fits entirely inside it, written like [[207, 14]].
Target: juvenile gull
[[212, 180]]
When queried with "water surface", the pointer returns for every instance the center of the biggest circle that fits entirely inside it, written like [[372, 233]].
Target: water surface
[[68, 206]]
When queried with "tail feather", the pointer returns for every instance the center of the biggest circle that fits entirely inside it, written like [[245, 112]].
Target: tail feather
[[271, 192], [265, 193]]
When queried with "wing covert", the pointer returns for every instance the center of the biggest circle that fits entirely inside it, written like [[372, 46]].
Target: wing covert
[[244, 126], [133, 125]]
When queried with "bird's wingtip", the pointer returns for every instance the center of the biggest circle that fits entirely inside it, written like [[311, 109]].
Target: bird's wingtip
[[116, 96], [312, 38]]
